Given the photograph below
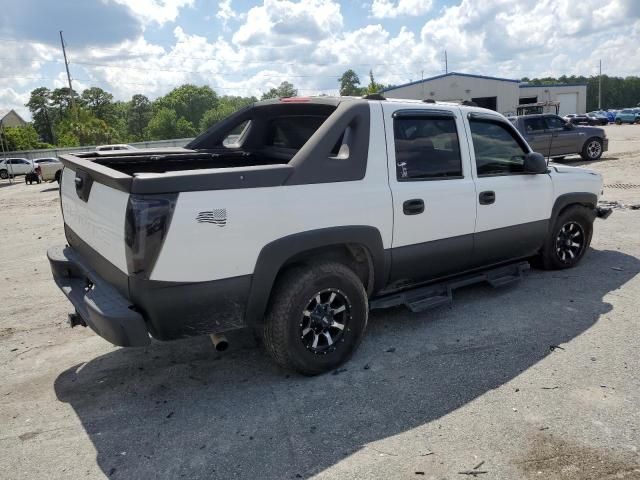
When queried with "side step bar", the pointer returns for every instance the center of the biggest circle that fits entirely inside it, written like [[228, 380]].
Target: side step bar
[[422, 298]]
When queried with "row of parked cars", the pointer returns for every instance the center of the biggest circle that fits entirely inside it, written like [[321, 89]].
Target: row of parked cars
[[602, 117], [46, 169], [41, 169]]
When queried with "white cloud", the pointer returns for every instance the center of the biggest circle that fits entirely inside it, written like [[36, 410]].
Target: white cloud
[[158, 11], [226, 11], [306, 42], [285, 22], [393, 9]]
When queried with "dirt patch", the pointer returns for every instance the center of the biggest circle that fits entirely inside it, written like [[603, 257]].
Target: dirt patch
[[6, 333], [551, 457]]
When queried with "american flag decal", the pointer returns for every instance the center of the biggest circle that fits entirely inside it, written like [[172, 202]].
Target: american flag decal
[[217, 216]]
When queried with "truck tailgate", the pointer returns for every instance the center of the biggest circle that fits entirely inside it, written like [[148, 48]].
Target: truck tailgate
[[98, 219]]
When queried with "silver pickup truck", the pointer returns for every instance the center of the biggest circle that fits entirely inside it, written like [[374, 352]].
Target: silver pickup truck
[[554, 137]]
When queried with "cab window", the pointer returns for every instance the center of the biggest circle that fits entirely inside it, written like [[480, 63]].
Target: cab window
[[498, 150], [534, 125], [554, 123]]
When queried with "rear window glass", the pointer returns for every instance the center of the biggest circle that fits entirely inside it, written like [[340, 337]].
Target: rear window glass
[[292, 132]]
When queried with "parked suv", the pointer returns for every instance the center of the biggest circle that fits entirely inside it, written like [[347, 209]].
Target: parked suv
[[318, 211], [628, 115], [554, 137], [14, 167]]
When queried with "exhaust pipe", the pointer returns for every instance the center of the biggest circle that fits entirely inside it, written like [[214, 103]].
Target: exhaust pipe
[[220, 342]]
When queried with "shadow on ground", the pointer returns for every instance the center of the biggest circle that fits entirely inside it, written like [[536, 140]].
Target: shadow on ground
[[178, 410]]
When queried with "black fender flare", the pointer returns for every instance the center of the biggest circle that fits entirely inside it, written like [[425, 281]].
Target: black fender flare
[[586, 199], [274, 255]]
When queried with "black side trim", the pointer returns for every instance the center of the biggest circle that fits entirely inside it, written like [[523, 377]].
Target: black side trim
[[275, 254], [178, 310], [509, 243], [428, 260]]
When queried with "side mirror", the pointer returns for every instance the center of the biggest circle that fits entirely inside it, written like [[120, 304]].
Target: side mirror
[[568, 126], [535, 163]]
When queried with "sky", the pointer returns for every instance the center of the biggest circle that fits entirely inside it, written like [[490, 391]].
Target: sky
[[245, 47]]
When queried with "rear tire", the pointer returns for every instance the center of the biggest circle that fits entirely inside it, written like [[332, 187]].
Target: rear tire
[[568, 239], [316, 318], [618, 122], [57, 177], [592, 149]]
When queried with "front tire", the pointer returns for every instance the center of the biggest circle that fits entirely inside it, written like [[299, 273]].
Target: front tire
[[568, 240], [4, 174], [592, 149], [316, 318]]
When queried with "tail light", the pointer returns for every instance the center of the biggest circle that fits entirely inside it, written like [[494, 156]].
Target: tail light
[[146, 225]]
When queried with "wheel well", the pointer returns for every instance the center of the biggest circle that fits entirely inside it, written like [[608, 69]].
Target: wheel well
[[355, 256], [576, 204]]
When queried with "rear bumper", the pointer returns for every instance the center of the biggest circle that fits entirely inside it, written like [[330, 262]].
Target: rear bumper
[[126, 310], [100, 305]]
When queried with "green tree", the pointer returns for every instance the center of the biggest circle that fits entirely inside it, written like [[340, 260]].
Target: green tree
[[99, 102], [61, 100], [227, 106], [373, 86], [165, 124], [21, 138], [350, 84], [139, 112], [39, 105], [79, 126], [284, 90], [188, 101]]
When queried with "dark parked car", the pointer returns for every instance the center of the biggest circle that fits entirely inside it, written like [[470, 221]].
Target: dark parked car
[[555, 137], [577, 118], [597, 118]]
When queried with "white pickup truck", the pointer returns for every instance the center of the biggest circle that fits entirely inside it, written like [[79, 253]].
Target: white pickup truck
[[296, 216]]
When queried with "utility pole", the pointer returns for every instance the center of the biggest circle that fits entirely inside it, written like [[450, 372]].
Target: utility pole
[[600, 87], [422, 83], [446, 63], [66, 65]]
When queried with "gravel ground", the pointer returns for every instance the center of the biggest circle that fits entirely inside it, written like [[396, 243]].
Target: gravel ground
[[538, 380]]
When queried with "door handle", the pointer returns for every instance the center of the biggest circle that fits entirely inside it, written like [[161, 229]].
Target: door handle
[[413, 207], [487, 198]]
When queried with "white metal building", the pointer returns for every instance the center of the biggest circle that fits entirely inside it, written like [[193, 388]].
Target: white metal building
[[500, 94]]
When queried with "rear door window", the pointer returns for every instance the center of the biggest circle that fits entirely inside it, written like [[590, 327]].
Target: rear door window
[[426, 148]]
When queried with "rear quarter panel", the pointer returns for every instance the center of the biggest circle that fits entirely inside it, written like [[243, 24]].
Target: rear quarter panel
[[255, 217]]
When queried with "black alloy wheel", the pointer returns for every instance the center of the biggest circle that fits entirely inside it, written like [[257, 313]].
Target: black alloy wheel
[[324, 321], [570, 242]]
